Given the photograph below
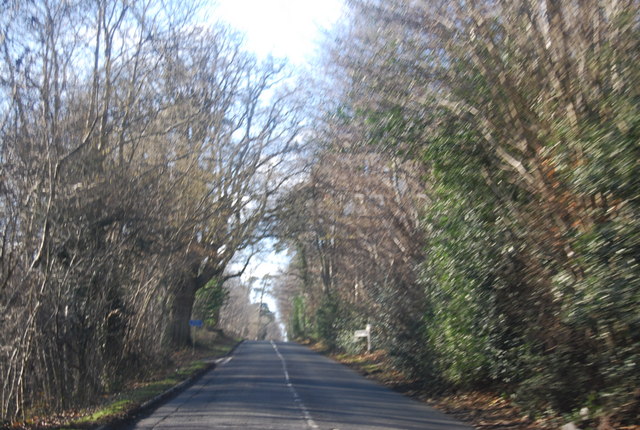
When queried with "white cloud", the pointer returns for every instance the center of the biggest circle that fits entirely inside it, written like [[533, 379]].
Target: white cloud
[[283, 28]]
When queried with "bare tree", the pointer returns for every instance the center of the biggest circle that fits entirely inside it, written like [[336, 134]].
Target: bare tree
[[233, 149], [139, 154], [354, 226]]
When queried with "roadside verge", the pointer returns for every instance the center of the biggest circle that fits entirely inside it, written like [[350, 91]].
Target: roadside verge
[[482, 410], [150, 404], [141, 395]]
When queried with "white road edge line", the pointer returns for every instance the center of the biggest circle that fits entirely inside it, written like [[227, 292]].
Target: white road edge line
[[296, 397], [224, 360], [220, 361]]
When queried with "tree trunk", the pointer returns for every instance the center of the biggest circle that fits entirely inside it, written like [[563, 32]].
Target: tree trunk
[[179, 332], [184, 298]]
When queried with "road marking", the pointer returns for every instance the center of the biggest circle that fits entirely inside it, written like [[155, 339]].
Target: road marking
[[224, 360], [296, 397]]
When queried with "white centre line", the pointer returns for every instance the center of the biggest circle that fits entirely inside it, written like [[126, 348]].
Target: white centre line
[[296, 397]]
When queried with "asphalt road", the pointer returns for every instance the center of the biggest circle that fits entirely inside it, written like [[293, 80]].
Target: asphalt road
[[287, 386]]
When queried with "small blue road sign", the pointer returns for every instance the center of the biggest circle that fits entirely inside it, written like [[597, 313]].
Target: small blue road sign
[[195, 323]]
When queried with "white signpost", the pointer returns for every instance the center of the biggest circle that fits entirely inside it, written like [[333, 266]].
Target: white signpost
[[364, 333]]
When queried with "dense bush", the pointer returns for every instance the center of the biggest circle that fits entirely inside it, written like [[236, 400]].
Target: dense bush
[[520, 121]]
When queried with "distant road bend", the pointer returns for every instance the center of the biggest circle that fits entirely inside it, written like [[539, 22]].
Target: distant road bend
[[273, 385]]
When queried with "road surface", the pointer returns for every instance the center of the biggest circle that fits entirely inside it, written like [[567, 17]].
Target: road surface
[[268, 385]]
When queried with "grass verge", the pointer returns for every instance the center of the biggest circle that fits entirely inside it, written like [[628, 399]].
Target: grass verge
[[116, 406]]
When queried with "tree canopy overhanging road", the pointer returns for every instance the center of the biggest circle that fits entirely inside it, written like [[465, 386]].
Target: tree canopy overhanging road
[[462, 176], [279, 385]]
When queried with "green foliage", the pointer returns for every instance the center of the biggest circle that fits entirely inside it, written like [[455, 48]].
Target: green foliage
[[528, 130], [463, 251], [332, 323], [209, 301], [602, 308], [326, 320], [299, 324]]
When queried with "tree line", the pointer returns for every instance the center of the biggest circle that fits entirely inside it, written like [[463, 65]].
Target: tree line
[[474, 195], [140, 152]]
